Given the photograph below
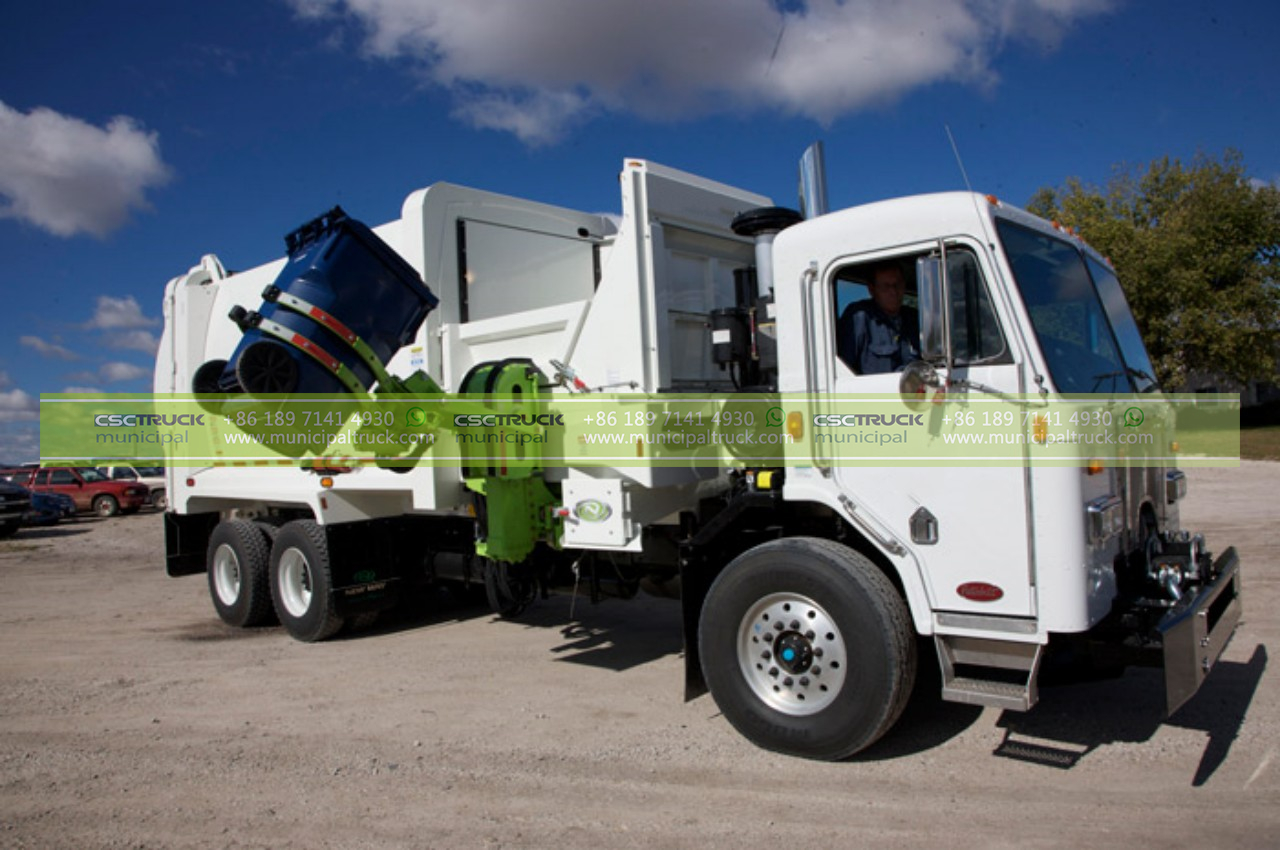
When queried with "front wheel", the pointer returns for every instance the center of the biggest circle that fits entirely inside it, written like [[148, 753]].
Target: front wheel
[[807, 648], [105, 506], [301, 581]]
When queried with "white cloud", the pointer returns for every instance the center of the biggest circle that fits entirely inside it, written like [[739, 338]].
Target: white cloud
[[47, 349], [144, 341], [4, 379], [19, 444], [114, 372], [116, 313], [18, 406], [534, 69], [81, 390], [67, 176]]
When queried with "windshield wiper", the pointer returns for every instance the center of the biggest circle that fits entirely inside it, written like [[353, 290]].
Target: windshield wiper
[[1127, 371]]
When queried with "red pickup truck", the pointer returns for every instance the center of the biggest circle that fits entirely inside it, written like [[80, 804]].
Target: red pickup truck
[[88, 488]]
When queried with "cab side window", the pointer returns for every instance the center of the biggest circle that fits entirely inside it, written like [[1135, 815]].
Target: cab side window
[[876, 320], [61, 476], [975, 330]]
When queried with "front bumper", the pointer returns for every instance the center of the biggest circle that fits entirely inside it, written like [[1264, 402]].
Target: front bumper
[[1196, 631]]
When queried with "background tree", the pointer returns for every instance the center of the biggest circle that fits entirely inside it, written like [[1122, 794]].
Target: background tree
[[1197, 249]]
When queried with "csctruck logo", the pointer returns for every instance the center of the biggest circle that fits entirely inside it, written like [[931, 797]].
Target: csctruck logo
[[855, 420], [592, 510], [142, 420], [499, 420]]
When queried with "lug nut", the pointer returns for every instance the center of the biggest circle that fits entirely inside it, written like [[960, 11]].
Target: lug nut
[[766, 655], [773, 671], [804, 681], [809, 635], [815, 670], [788, 682], [795, 625], [817, 651]]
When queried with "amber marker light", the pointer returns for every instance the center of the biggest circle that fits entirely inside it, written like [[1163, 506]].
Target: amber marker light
[[795, 425]]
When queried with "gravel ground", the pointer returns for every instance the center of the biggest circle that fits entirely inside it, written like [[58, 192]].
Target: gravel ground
[[131, 717]]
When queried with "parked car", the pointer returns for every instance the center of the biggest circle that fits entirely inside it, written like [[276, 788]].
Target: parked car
[[49, 508], [14, 504], [87, 487], [152, 476]]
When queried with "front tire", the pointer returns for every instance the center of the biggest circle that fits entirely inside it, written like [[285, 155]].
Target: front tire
[[238, 563], [301, 581], [807, 648], [105, 506]]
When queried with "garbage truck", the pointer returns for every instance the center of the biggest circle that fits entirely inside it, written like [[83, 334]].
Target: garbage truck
[[809, 588]]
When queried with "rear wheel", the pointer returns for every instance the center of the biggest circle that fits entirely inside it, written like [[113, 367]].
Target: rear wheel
[[105, 506], [301, 581], [237, 563], [159, 500], [807, 648]]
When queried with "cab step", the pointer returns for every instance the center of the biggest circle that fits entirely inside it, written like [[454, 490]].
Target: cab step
[[998, 673]]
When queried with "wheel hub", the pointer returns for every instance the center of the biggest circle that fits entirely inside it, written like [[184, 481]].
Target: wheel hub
[[226, 574], [792, 654], [295, 582]]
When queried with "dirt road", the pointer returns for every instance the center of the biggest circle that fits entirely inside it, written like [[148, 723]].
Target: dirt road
[[131, 717]]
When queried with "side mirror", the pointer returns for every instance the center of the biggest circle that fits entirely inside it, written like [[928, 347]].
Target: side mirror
[[917, 378], [931, 278]]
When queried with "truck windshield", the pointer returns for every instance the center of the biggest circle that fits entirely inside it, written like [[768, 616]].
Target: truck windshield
[[1079, 313]]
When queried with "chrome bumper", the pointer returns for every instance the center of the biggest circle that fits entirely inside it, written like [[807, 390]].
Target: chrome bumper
[[1197, 630]]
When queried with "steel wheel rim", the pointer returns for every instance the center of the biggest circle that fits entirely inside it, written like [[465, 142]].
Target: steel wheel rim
[[792, 654], [295, 582], [226, 574]]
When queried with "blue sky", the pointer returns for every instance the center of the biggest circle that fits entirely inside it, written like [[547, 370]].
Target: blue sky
[[137, 136]]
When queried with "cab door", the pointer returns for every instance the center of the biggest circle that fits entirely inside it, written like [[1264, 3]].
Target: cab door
[[967, 526]]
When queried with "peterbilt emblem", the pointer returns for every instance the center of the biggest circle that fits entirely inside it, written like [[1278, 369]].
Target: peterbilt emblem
[[592, 510], [980, 591]]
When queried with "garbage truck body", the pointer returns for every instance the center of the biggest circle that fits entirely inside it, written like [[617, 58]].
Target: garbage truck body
[[808, 591]]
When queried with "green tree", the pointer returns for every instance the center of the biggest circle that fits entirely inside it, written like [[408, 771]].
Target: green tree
[[1197, 249]]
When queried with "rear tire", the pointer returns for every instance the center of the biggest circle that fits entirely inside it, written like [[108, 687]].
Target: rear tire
[[238, 564], [301, 581], [807, 648], [159, 500], [105, 506]]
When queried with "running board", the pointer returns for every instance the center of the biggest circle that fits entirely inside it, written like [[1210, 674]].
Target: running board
[[998, 673]]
